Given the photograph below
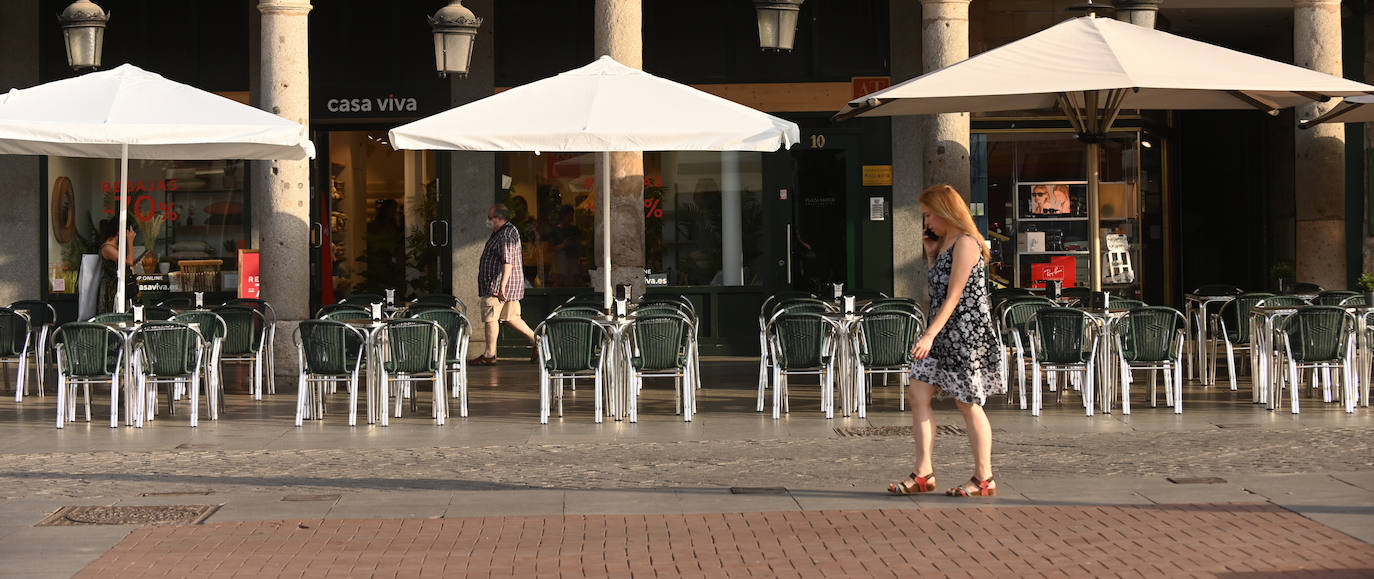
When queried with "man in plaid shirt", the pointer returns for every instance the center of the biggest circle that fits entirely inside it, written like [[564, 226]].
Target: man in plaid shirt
[[500, 282]]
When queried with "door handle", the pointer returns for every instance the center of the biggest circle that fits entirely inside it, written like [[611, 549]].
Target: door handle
[[437, 239], [316, 235], [789, 254]]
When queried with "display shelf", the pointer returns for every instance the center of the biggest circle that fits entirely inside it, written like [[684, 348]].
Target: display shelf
[[1062, 231]]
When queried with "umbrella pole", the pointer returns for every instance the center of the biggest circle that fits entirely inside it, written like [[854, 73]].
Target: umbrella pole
[[1094, 217], [604, 202], [123, 227]]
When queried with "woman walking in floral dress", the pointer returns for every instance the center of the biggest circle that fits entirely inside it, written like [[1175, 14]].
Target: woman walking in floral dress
[[957, 356]]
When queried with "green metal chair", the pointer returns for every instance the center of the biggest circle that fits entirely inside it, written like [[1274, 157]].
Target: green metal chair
[[246, 333], [1014, 337], [895, 305], [1117, 303], [88, 353], [413, 350], [167, 353], [569, 348], [663, 345], [15, 345], [1062, 341], [673, 299], [457, 333], [269, 316], [883, 341], [343, 312], [329, 352], [576, 311], [1231, 325], [212, 329], [1334, 297], [1320, 338], [1151, 338], [788, 301], [802, 343], [42, 318]]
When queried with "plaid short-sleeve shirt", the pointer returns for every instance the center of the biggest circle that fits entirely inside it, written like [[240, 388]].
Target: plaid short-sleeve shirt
[[502, 247]]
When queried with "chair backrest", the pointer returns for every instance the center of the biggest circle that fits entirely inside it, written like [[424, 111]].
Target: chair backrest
[[892, 305], [177, 302], [682, 301], [158, 313], [113, 318], [1318, 333], [801, 305], [244, 329], [573, 343], [1217, 289], [1061, 335], [1281, 302], [362, 299], [14, 332], [412, 346], [799, 338], [343, 312], [1149, 334], [212, 327], [1333, 297], [40, 313], [454, 324], [660, 341], [1017, 313], [1355, 300], [329, 348], [268, 312], [887, 336], [1236, 315], [445, 300], [1303, 287], [167, 348], [1125, 303], [88, 349], [576, 311], [663, 308]]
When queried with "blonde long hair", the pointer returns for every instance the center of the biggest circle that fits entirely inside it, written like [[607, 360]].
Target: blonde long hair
[[945, 202]]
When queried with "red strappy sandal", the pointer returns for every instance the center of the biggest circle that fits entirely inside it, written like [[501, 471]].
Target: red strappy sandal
[[924, 484], [984, 489]]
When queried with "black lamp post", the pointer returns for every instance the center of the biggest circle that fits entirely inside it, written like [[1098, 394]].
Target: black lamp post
[[777, 23], [455, 29], [83, 28]]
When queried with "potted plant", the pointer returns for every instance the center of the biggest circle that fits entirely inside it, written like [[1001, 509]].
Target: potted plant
[[1282, 272], [1365, 283], [150, 230]]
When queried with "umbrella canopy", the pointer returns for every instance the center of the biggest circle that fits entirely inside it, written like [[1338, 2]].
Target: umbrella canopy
[[130, 113], [1090, 69], [602, 107], [97, 114], [1351, 110]]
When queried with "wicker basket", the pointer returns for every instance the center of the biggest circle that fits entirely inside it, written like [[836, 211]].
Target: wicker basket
[[200, 275]]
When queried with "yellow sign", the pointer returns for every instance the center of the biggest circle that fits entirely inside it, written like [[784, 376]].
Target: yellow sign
[[877, 175]]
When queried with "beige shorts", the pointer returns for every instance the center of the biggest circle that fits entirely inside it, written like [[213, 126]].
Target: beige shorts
[[494, 309]]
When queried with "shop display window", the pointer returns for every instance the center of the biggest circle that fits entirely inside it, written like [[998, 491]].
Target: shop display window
[[181, 211], [552, 198]]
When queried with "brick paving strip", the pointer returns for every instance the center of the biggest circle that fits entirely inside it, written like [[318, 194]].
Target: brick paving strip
[[1168, 540]]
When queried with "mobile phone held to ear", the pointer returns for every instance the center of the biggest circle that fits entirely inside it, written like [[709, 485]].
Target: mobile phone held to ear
[[930, 235]]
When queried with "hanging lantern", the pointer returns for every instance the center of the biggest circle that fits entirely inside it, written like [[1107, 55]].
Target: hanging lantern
[[777, 23], [455, 30], [83, 28]]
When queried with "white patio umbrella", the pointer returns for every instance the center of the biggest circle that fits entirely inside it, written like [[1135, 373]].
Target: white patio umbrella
[[1092, 68], [130, 113], [602, 107], [1351, 110]]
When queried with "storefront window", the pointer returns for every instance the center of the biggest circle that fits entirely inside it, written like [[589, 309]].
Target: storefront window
[[552, 198], [185, 213]]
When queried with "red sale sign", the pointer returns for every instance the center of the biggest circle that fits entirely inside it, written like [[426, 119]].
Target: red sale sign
[[250, 281], [1061, 267]]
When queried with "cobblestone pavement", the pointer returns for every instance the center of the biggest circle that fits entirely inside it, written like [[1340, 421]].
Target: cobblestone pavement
[[1137, 541], [800, 463]]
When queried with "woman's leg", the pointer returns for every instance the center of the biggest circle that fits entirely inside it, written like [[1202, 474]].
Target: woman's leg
[[979, 438], [922, 425]]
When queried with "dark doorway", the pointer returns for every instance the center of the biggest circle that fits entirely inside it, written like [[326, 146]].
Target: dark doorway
[[818, 220]]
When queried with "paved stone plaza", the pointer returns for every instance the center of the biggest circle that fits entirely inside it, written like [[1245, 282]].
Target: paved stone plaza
[[500, 467]]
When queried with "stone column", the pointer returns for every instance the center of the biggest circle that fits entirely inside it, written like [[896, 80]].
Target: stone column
[[944, 30], [1319, 166], [908, 175], [619, 33], [21, 275], [281, 189], [1138, 12], [472, 185], [732, 238]]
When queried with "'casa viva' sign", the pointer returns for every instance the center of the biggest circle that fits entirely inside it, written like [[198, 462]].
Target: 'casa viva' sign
[[385, 104]]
